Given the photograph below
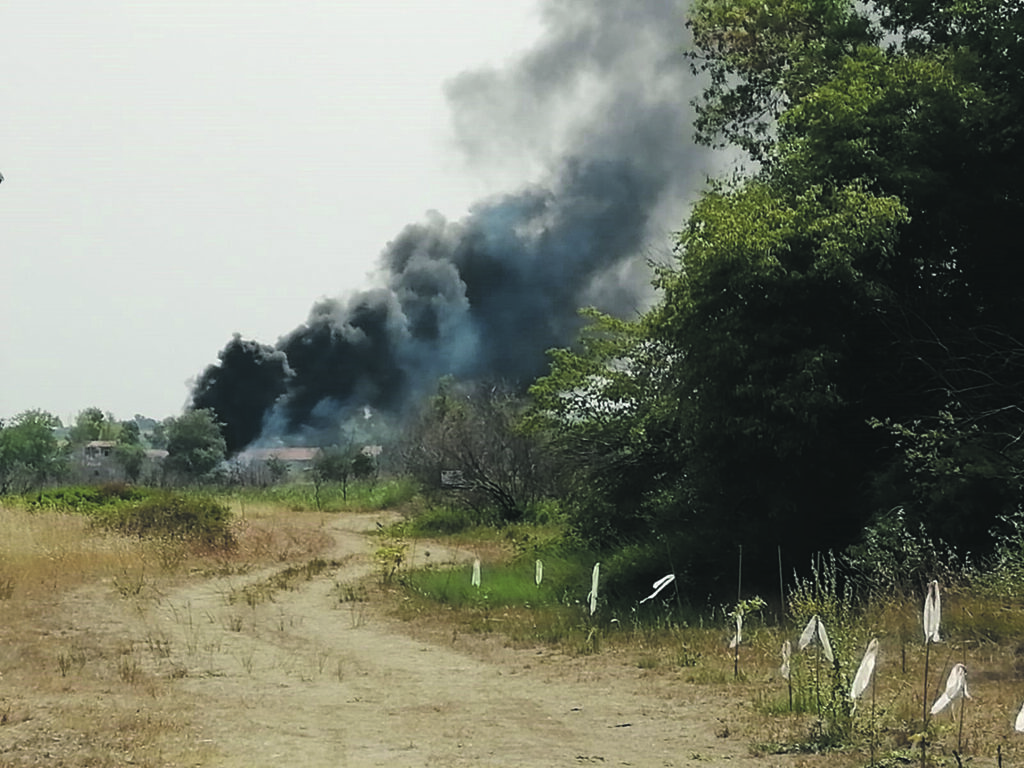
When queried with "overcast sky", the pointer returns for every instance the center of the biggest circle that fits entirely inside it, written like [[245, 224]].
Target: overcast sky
[[177, 171]]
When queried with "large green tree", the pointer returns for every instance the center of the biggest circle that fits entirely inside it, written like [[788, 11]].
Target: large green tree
[[195, 444], [93, 424], [861, 273], [30, 454]]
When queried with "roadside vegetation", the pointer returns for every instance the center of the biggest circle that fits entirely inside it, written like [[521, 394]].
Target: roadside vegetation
[[816, 420], [495, 589]]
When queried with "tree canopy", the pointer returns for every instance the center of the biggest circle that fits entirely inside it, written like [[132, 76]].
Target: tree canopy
[[30, 453], [840, 333], [195, 444]]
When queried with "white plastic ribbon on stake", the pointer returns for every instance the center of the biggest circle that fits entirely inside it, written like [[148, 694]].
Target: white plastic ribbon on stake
[[738, 637], [956, 688], [932, 613], [787, 651], [476, 573], [538, 572], [659, 585], [592, 595], [1019, 723], [809, 633], [864, 671], [815, 632]]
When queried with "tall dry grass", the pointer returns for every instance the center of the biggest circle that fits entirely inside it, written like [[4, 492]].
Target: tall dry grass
[[77, 688], [63, 696], [43, 554]]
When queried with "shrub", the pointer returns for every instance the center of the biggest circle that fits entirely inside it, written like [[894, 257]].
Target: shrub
[[143, 512], [446, 521], [188, 516]]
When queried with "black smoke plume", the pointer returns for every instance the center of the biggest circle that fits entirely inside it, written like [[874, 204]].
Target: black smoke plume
[[601, 108]]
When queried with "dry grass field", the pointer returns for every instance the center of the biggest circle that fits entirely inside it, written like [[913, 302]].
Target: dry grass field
[[288, 650]]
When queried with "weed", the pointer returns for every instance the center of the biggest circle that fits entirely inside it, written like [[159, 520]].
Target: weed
[[159, 646], [171, 552], [357, 615], [245, 659], [130, 584], [75, 658], [389, 557], [128, 668], [351, 593], [359, 495], [687, 657], [321, 656]]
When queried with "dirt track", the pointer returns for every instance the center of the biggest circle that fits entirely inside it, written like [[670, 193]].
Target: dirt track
[[304, 679]]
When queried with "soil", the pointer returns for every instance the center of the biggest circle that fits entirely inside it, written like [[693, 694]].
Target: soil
[[323, 674]]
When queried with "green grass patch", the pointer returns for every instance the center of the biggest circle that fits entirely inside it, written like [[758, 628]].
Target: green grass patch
[[445, 521], [359, 496], [501, 585]]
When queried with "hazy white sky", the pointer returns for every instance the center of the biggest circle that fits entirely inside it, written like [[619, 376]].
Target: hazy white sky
[[180, 170]]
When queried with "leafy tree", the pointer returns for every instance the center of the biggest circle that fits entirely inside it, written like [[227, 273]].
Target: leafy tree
[[158, 434], [129, 433], [30, 454], [782, 361], [759, 58], [602, 411], [854, 275], [475, 431], [278, 470], [919, 140], [93, 424], [131, 458], [195, 445], [339, 465]]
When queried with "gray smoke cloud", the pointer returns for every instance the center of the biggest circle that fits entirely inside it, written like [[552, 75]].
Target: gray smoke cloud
[[600, 111]]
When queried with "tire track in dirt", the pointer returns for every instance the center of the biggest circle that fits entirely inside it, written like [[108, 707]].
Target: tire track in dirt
[[306, 680]]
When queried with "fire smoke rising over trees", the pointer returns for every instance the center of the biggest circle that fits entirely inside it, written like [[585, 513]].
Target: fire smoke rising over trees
[[601, 106]]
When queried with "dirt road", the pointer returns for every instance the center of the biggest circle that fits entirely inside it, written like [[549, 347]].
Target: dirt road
[[301, 677]]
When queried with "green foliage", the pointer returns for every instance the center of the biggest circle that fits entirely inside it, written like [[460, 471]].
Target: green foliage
[[897, 556], [30, 454], [188, 516], [825, 593], [505, 585], [606, 411], [1005, 575], [828, 595], [340, 465], [93, 424], [469, 442], [775, 308], [195, 445], [438, 520], [390, 555], [332, 465], [761, 57], [130, 457], [86, 498], [144, 511], [391, 493], [278, 470], [854, 276], [956, 480]]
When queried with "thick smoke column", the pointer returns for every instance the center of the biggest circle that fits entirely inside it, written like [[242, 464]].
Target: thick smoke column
[[601, 106]]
